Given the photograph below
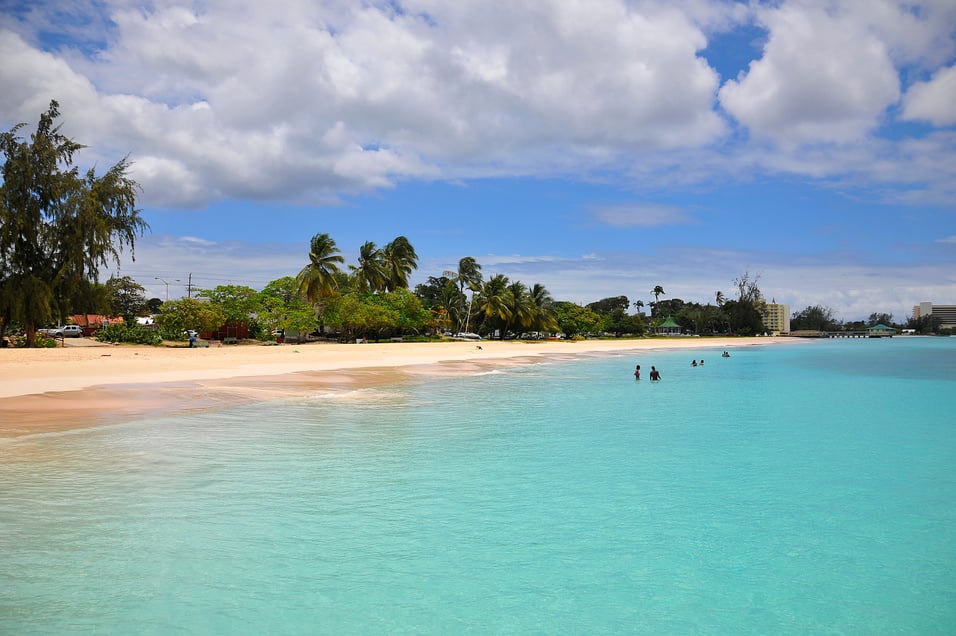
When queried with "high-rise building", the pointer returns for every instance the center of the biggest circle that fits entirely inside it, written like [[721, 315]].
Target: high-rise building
[[945, 313], [776, 318]]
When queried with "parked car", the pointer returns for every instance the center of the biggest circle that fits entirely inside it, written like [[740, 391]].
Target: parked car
[[66, 331]]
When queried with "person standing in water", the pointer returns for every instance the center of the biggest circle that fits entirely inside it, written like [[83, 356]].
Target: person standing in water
[[655, 374], [637, 372]]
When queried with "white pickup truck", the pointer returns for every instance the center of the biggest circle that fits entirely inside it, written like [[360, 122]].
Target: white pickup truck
[[67, 331]]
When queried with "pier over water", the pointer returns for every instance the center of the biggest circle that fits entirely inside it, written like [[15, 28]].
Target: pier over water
[[810, 333]]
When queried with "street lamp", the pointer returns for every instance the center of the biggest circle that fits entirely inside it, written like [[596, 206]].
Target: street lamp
[[167, 285]]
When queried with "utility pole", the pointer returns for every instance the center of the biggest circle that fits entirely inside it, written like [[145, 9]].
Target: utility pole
[[189, 286]]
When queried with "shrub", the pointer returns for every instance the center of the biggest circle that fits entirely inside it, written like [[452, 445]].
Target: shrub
[[133, 334], [43, 340]]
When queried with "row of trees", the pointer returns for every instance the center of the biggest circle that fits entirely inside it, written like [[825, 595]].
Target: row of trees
[[372, 296], [821, 318], [59, 227]]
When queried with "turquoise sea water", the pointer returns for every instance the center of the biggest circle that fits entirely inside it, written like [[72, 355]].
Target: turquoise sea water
[[804, 489]]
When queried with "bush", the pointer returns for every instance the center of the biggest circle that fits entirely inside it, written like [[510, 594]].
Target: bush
[[173, 333], [43, 340], [133, 334]]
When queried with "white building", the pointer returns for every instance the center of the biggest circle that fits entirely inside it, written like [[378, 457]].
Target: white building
[[945, 313]]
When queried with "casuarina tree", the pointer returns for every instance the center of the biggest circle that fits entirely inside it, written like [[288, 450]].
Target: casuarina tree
[[57, 227]]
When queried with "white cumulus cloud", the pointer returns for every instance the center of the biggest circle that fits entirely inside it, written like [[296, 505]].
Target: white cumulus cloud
[[934, 100]]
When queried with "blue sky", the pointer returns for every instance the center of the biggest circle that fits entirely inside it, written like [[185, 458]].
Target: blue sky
[[599, 148]]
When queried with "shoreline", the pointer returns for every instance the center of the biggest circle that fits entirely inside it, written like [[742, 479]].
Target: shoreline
[[86, 384]]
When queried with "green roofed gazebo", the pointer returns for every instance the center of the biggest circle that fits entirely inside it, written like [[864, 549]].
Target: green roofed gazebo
[[880, 331], [667, 328]]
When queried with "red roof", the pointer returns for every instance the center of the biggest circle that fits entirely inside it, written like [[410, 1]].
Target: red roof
[[95, 320]]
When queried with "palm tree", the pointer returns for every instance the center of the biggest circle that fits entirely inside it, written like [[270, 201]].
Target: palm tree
[[400, 261], [469, 274], [494, 302], [658, 291], [452, 302], [542, 316], [317, 279], [520, 306], [639, 305], [370, 272], [720, 298]]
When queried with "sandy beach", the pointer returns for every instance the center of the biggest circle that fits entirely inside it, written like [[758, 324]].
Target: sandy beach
[[85, 383]]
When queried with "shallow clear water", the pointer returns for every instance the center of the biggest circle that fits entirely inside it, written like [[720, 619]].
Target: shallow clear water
[[787, 489]]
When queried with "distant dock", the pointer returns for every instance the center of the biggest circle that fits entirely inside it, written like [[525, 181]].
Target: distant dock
[[809, 333]]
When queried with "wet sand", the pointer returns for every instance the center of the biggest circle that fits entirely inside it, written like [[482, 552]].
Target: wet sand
[[85, 383]]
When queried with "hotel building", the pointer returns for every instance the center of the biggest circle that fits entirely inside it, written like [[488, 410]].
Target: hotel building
[[776, 318], [945, 313]]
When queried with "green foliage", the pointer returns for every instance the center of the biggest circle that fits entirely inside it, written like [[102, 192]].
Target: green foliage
[[744, 318], [282, 307], [495, 304], [129, 333], [409, 314], [42, 341], [57, 228], [619, 322], [237, 302], [316, 279], [442, 297], [369, 274], [814, 318], [376, 315], [671, 307], [607, 305], [574, 319], [400, 260], [127, 298], [926, 325], [188, 313], [355, 318]]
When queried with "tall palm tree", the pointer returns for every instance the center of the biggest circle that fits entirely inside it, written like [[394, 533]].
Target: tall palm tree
[[658, 291], [400, 261], [721, 299], [469, 275], [494, 302], [639, 306], [520, 306], [370, 271], [452, 302], [317, 279], [542, 316]]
